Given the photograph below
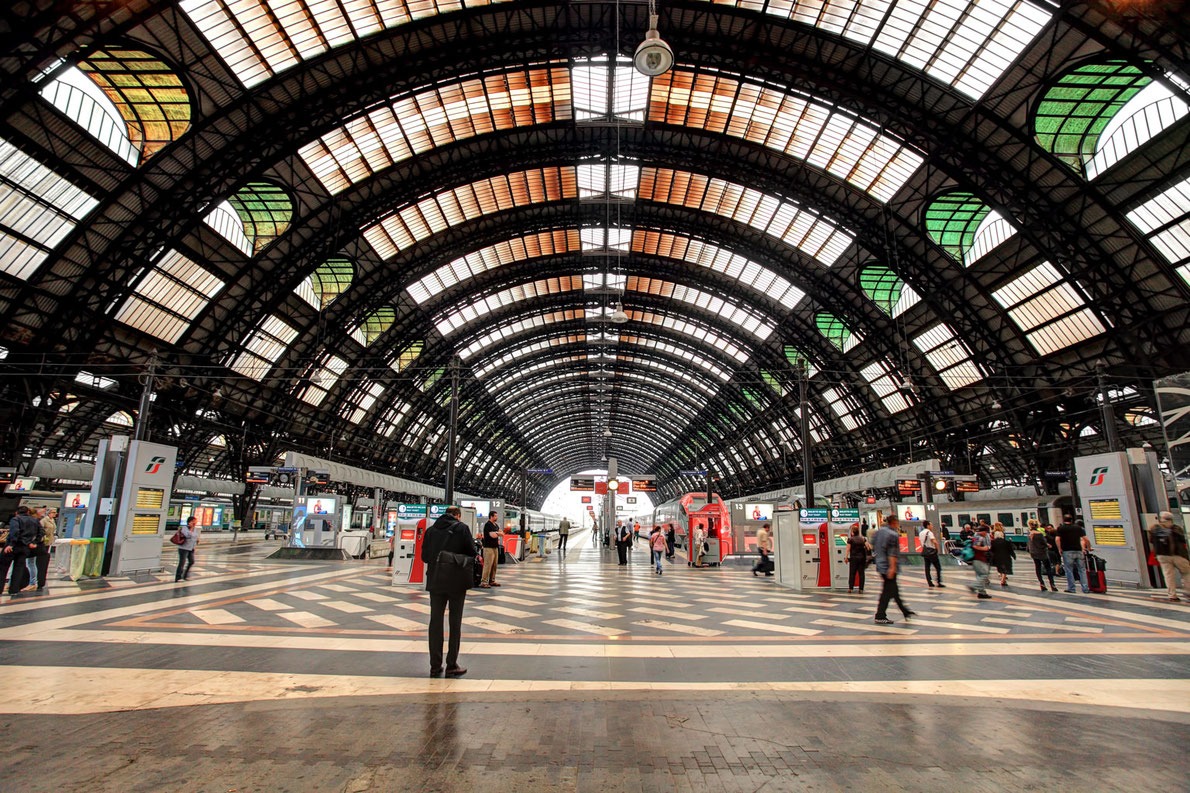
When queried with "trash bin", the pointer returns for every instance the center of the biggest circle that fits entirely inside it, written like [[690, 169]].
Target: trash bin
[[93, 564]]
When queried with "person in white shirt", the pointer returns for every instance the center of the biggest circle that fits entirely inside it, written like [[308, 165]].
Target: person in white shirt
[[930, 552], [764, 546]]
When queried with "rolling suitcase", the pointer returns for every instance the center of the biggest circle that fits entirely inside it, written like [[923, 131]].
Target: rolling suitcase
[[1096, 573]]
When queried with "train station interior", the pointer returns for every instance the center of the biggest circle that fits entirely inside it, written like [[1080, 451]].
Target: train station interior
[[748, 395]]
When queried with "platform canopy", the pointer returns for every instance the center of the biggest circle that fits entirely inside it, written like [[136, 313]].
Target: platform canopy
[[965, 224]]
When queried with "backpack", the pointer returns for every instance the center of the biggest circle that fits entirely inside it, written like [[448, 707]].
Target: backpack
[[1163, 541]]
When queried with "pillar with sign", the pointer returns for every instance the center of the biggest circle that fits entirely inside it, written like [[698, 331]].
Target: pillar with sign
[[142, 506], [1113, 513]]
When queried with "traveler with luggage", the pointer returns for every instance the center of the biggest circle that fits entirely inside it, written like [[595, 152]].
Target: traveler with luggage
[[1039, 552], [930, 553], [856, 557], [1002, 553], [448, 551], [1071, 540], [764, 545], [1168, 541]]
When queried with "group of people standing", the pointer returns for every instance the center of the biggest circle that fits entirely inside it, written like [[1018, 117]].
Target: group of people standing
[[25, 544]]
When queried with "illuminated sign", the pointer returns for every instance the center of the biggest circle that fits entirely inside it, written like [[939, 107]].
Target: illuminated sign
[[1105, 509], [907, 486], [7, 475], [642, 484], [966, 486], [318, 477], [586, 499], [1106, 534], [582, 484], [259, 475], [870, 500]]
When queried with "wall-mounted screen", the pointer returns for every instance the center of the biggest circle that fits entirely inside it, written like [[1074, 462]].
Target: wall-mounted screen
[[758, 511], [320, 505]]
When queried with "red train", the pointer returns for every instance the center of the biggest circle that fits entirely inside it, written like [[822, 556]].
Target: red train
[[690, 512]]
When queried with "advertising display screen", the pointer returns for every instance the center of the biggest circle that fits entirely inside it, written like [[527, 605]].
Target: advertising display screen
[[320, 505], [758, 511], [77, 499], [21, 484], [482, 508], [911, 511]]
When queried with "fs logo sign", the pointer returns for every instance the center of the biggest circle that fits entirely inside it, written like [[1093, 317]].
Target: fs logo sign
[[155, 465], [1098, 475]]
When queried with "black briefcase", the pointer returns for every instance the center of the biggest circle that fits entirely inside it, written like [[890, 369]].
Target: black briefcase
[[453, 573]]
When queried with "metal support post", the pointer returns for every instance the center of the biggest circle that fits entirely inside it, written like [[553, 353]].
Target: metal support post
[[1106, 412], [807, 452], [141, 433], [454, 431]]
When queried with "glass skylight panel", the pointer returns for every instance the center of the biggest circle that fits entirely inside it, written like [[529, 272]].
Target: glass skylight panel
[[38, 208], [601, 96], [360, 402], [992, 231], [720, 260], [604, 281], [816, 236], [263, 347], [392, 418], [1154, 109], [757, 324], [94, 380], [224, 219], [494, 384], [520, 325], [611, 239], [712, 339], [608, 179], [963, 43], [322, 377], [452, 321], [418, 221], [528, 349], [85, 103], [546, 243], [880, 376], [1165, 218], [260, 38], [437, 117], [1050, 310], [949, 357], [168, 295], [680, 352], [840, 407], [840, 144]]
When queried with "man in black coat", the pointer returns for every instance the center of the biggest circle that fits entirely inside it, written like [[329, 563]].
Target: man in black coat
[[447, 534], [24, 540]]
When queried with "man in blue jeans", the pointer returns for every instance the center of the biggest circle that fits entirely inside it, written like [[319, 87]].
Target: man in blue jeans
[[1072, 542]]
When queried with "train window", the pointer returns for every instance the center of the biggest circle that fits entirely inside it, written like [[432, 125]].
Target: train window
[[964, 518], [946, 520], [1025, 518], [1007, 518], [986, 517]]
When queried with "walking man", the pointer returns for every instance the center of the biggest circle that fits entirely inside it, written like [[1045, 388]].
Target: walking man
[[1168, 541], [451, 535], [563, 535], [981, 563], [623, 538], [186, 549], [930, 551], [886, 548], [1072, 542], [491, 550], [764, 546]]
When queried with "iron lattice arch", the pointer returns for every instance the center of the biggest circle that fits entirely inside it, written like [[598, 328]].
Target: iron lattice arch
[[301, 270]]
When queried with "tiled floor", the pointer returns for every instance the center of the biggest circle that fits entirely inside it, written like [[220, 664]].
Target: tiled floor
[[585, 676]]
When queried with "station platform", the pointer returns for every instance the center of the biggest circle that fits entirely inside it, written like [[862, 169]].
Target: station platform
[[258, 675]]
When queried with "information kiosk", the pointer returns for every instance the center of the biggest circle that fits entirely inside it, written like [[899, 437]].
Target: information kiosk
[[73, 513]]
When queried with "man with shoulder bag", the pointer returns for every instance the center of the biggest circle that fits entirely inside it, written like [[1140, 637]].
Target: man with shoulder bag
[[448, 551], [930, 553], [1168, 541], [24, 540]]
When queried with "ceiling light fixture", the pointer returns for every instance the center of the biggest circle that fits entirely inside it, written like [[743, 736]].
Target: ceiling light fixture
[[618, 316], [653, 57]]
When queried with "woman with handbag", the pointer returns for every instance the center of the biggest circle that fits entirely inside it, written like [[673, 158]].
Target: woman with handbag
[[857, 559], [186, 538]]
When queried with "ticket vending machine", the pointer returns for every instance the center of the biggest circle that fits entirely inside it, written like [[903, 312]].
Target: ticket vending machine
[[409, 526], [801, 539], [73, 513], [841, 523]]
